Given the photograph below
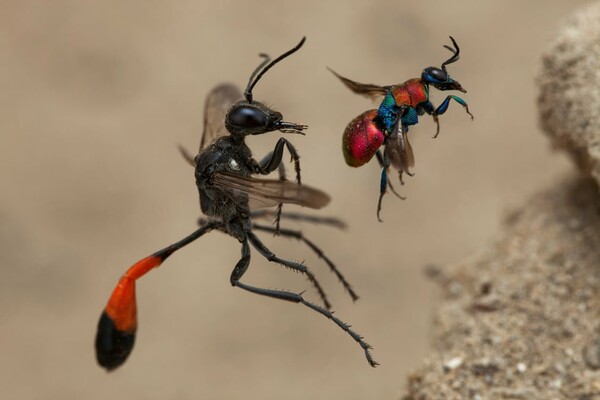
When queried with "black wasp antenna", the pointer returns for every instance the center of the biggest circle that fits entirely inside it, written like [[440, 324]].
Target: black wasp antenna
[[256, 76], [257, 70]]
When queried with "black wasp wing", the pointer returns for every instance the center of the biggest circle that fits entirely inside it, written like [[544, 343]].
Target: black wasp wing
[[218, 101], [254, 193], [366, 89], [399, 151]]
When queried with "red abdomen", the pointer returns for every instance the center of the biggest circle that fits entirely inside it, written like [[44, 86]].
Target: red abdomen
[[361, 139]]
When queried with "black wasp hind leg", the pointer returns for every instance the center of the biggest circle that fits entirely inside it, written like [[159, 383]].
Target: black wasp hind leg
[[242, 266], [300, 236], [292, 216], [270, 256]]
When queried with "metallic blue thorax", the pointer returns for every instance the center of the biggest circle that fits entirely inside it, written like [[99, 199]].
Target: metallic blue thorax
[[388, 113]]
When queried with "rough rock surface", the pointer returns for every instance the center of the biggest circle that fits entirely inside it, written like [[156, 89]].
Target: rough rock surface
[[569, 81], [522, 320]]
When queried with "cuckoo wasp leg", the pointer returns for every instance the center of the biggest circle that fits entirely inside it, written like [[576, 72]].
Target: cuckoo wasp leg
[[270, 256], [384, 183], [382, 189], [442, 108], [428, 108], [380, 161], [242, 266], [300, 236], [118, 323]]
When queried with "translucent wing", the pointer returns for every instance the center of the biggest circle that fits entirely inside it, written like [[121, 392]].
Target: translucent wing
[[399, 151], [263, 193], [218, 101], [366, 89]]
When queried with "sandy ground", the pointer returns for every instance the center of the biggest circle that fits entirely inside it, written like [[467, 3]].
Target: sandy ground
[[94, 98], [520, 320]]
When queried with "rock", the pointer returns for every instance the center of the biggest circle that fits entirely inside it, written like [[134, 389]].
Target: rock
[[591, 354], [543, 342], [569, 82]]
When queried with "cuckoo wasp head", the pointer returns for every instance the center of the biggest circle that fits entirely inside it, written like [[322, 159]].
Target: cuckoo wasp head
[[439, 77]]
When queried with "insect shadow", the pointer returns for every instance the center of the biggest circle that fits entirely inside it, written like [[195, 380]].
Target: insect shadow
[[232, 199], [400, 108]]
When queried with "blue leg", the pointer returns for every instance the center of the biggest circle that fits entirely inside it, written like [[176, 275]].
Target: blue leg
[[382, 188], [384, 181], [444, 106], [379, 155]]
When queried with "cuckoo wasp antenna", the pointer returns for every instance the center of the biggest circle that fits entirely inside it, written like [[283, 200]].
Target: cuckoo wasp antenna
[[456, 54]]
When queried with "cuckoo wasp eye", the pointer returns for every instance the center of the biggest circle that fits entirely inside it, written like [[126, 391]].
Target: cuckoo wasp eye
[[434, 75]]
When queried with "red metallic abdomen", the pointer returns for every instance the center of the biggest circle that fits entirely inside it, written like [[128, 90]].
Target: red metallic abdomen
[[361, 139]]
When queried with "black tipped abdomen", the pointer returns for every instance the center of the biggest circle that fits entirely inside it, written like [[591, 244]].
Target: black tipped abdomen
[[112, 345]]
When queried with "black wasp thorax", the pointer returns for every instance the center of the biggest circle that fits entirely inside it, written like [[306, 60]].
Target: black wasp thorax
[[227, 154]]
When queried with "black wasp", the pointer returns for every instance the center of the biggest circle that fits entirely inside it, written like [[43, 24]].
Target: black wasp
[[231, 198]]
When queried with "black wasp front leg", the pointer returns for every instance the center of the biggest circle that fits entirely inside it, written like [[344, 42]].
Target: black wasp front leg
[[273, 159], [281, 169], [242, 266]]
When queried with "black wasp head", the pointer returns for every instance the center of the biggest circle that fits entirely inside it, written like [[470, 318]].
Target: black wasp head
[[438, 77], [254, 118], [249, 117]]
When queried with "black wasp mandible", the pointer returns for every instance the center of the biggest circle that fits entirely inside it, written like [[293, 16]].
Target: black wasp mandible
[[232, 200]]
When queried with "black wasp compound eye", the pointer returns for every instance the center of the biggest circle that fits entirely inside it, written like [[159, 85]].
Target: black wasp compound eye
[[247, 117], [435, 74]]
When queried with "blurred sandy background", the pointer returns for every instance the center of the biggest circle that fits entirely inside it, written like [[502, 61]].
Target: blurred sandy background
[[94, 97]]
